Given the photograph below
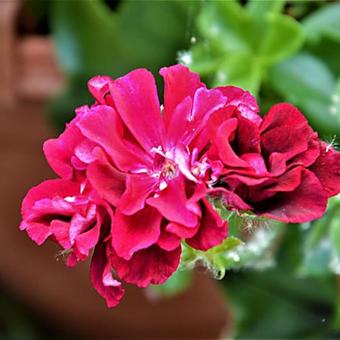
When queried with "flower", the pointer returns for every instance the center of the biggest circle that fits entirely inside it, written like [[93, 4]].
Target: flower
[[277, 168], [137, 175]]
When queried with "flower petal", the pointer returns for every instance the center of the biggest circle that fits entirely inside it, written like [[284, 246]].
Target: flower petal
[[306, 203], [135, 232], [138, 189], [327, 169], [109, 182], [111, 138], [102, 280], [212, 230], [148, 266], [136, 101], [179, 83], [244, 102], [99, 87], [171, 203]]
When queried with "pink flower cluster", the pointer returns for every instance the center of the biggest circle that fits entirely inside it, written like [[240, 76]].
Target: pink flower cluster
[[135, 176]]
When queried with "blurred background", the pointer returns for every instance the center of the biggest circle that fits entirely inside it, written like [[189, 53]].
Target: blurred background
[[285, 281]]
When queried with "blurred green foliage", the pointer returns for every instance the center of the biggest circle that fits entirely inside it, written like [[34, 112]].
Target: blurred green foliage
[[92, 39]]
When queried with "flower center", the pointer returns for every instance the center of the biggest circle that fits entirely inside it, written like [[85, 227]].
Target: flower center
[[169, 169]]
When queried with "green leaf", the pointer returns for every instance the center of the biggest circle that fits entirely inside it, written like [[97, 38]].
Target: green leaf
[[236, 45], [307, 82], [323, 23], [328, 50], [241, 70], [224, 24], [283, 37], [334, 226], [260, 7], [92, 39]]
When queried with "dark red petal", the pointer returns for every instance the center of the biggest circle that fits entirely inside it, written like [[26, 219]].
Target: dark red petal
[[148, 266], [212, 230], [289, 181], [248, 136], [229, 198], [285, 130], [136, 100], [283, 114], [135, 232], [306, 203], [327, 169], [224, 136], [102, 280]]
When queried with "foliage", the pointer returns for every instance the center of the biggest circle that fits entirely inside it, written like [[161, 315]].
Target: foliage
[[98, 40]]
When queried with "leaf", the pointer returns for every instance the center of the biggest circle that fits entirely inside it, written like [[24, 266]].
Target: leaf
[[307, 82], [323, 23], [328, 50], [236, 45], [240, 70], [260, 7], [334, 227], [92, 39], [283, 38]]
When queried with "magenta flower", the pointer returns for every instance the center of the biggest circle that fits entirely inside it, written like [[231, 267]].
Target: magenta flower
[[138, 175], [277, 168]]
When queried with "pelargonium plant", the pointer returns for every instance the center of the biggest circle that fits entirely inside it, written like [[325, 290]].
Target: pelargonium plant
[[138, 181]]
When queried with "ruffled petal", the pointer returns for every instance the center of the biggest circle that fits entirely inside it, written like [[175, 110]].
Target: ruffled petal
[[244, 102], [171, 203], [327, 169], [212, 229], [99, 87], [179, 83], [102, 280], [127, 157], [109, 182], [135, 98], [135, 232], [138, 189], [59, 151], [148, 266], [306, 203]]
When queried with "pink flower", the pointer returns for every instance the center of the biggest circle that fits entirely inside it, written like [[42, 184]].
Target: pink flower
[[277, 168], [71, 214], [139, 167], [135, 176], [163, 158]]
